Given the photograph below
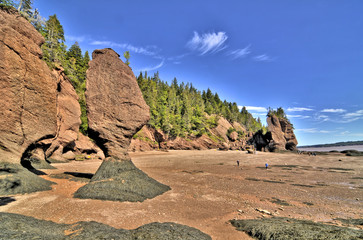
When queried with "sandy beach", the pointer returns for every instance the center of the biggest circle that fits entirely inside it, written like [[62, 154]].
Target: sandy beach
[[208, 190]]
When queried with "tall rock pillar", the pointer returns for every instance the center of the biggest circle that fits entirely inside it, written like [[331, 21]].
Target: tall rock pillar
[[116, 111]]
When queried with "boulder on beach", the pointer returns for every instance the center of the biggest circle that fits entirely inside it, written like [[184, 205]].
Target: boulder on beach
[[116, 111]]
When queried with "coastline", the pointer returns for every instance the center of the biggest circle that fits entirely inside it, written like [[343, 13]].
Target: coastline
[[334, 148]]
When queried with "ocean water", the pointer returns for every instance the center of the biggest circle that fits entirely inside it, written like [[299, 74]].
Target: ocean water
[[328, 149]]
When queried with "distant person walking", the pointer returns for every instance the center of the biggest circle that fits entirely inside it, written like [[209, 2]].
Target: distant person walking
[[237, 163], [266, 165]]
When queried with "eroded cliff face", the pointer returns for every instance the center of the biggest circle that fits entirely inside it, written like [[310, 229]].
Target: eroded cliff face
[[116, 111], [28, 111], [28, 108]]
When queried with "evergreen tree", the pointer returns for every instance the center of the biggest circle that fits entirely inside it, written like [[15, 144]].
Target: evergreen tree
[[54, 48], [127, 57], [86, 59], [182, 110], [25, 6], [7, 3]]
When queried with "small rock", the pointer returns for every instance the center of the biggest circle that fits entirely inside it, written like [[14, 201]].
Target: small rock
[[263, 211]]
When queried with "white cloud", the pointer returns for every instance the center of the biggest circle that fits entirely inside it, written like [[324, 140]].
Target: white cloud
[[263, 58], [332, 110], [240, 53], [208, 42], [153, 67], [299, 109], [150, 50], [254, 109]]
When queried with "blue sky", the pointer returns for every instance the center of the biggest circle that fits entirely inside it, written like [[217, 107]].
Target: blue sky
[[305, 56]]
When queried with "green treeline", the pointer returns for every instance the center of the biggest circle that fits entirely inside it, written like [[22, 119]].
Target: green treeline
[[55, 52], [182, 110]]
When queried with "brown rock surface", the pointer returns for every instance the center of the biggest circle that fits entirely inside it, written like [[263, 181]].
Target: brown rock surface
[[222, 128], [27, 88], [68, 117], [116, 108], [116, 111], [28, 100], [233, 136]]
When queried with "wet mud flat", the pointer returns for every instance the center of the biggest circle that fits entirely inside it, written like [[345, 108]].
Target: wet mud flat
[[208, 190]]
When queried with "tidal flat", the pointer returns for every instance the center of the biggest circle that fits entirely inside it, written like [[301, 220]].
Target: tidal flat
[[208, 190]]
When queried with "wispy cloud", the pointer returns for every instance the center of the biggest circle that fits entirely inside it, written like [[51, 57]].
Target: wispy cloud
[[240, 53], [357, 114], [177, 59], [322, 118], [333, 110], [298, 116], [263, 58], [312, 130], [208, 42], [299, 109], [254, 109], [75, 38], [153, 67], [150, 50]]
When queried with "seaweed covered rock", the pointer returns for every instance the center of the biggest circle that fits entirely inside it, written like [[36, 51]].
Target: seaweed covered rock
[[288, 228], [118, 180], [15, 226], [116, 111], [14, 179], [28, 100]]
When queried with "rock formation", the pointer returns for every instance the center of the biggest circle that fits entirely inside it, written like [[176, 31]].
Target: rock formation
[[68, 141], [116, 111], [282, 134], [15, 226], [68, 117], [27, 104]]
